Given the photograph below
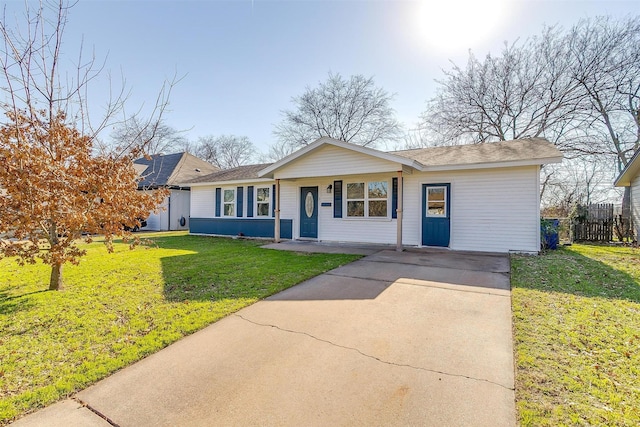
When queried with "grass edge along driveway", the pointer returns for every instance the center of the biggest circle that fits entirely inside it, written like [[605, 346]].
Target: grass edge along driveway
[[576, 314], [118, 308]]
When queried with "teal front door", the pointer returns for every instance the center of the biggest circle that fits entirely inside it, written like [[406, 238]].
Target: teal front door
[[436, 214], [309, 212]]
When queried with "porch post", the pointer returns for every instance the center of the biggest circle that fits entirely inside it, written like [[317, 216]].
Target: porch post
[[399, 213], [277, 229]]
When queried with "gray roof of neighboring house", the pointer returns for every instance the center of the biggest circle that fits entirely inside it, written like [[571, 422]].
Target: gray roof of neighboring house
[[234, 174], [493, 152], [171, 169]]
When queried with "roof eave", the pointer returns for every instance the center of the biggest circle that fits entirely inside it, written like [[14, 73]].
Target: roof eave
[[230, 182], [490, 165]]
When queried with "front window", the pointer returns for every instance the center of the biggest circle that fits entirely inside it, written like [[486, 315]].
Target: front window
[[229, 200], [367, 199], [263, 201]]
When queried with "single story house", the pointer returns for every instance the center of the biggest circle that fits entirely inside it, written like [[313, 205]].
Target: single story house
[[483, 197], [168, 171], [630, 177]]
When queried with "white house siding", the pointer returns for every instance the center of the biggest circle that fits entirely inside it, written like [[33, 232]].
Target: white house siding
[[159, 221], [635, 203], [179, 208], [203, 202], [495, 210], [330, 160], [172, 208]]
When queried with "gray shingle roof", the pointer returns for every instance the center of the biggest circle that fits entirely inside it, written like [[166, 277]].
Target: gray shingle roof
[[495, 152], [234, 174], [171, 169]]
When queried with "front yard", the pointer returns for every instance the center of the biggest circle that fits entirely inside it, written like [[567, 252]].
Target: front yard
[[577, 336], [118, 308]]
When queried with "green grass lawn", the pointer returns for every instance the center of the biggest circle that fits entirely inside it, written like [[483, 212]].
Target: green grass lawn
[[577, 336], [118, 308]]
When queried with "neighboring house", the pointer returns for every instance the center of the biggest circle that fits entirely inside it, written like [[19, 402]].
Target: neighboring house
[[483, 197], [630, 177], [169, 171]]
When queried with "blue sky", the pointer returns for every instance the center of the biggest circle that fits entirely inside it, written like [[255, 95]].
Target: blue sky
[[242, 61]]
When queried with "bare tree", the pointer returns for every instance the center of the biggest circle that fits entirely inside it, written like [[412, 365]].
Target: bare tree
[[225, 151], [157, 137], [55, 186], [353, 110], [526, 91]]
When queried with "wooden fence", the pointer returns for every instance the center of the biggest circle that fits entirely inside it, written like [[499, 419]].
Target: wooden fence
[[594, 223]]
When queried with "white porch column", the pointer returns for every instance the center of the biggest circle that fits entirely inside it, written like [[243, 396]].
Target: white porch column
[[277, 229], [399, 213]]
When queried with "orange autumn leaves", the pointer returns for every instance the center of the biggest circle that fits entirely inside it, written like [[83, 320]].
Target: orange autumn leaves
[[54, 190]]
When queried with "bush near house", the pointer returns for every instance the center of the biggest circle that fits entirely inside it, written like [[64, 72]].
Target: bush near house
[[577, 336], [118, 308]]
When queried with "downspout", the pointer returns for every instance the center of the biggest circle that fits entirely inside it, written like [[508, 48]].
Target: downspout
[[277, 225], [399, 213]]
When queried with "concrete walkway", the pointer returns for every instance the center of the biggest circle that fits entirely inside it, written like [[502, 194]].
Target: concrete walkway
[[412, 338]]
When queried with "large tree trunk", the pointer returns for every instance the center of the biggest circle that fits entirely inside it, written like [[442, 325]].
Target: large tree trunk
[[55, 283]]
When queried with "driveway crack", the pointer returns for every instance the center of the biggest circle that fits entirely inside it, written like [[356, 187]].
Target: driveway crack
[[95, 411], [386, 362]]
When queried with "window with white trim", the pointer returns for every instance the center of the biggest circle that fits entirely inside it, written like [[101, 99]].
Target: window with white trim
[[437, 201], [367, 199], [229, 202], [263, 201]]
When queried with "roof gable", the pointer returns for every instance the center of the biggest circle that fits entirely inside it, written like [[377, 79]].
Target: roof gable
[[171, 169]]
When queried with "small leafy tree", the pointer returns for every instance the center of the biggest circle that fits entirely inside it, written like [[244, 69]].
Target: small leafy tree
[[55, 190], [56, 185]]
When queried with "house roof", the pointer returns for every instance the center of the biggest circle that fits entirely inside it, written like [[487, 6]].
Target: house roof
[[171, 169], [240, 173], [522, 152], [518, 151], [629, 172]]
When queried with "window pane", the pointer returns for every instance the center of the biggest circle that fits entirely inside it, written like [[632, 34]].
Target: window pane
[[262, 195], [355, 208], [378, 208], [263, 209], [229, 209], [229, 195], [355, 190], [436, 208], [378, 190], [436, 193]]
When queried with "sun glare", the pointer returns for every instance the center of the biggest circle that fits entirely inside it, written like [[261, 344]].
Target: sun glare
[[447, 25]]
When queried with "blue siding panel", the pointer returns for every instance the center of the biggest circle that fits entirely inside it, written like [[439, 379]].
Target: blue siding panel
[[247, 227]]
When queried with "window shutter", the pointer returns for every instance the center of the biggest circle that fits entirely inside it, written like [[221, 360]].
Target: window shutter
[[239, 202], [273, 201], [394, 198], [250, 201], [337, 199], [218, 200]]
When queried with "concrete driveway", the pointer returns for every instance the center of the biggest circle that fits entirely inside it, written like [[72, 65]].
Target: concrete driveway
[[418, 338]]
